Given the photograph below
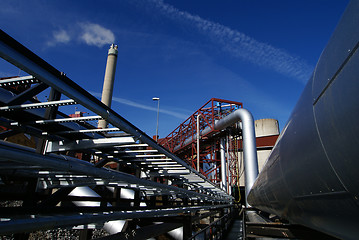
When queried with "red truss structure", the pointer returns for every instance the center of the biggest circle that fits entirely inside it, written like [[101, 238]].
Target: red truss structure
[[183, 140]]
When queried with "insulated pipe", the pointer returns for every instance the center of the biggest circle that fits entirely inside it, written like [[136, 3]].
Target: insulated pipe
[[112, 227], [130, 194], [158, 114], [119, 224], [249, 142], [13, 152], [311, 175], [198, 137], [229, 191], [176, 233], [108, 81], [223, 164]]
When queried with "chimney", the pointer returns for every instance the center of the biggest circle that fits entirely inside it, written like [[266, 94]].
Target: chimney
[[108, 82]]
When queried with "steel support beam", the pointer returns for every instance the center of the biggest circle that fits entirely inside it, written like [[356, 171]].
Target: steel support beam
[[87, 144], [38, 105], [26, 95], [18, 81], [61, 221], [129, 147], [23, 58], [61, 120]]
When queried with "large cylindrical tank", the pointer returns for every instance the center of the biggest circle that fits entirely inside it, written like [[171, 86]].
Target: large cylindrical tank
[[312, 175]]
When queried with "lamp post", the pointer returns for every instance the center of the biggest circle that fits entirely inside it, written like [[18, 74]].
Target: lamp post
[[158, 112]]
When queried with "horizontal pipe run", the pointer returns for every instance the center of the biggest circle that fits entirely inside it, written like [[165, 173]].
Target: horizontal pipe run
[[15, 153], [111, 227], [61, 221]]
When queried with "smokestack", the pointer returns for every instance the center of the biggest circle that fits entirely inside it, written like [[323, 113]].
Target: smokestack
[[109, 80]]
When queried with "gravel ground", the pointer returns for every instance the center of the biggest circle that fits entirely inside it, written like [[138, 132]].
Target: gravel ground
[[58, 234], [53, 234]]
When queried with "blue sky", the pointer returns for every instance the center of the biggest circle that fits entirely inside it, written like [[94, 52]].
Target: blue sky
[[257, 52]]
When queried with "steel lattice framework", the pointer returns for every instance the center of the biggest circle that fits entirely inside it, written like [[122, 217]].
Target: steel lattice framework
[[183, 140], [69, 152]]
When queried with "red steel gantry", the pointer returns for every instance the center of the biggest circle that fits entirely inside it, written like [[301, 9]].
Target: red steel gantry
[[183, 140]]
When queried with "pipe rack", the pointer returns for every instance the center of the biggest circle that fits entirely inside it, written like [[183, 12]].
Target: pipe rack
[[71, 152]]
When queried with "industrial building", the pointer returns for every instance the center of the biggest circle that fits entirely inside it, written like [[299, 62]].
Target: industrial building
[[218, 175]]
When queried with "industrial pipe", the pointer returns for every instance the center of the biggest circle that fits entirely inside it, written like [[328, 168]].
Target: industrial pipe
[[249, 142], [229, 190], [111, 227], [198, 138], [223, 164], [311, 175], [16, 153]]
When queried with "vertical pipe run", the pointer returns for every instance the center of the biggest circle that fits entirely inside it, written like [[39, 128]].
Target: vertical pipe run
[[229, 157], [108, 82], [158, 115], [223, 163], [249, 143], [198, 137], [249, 150]]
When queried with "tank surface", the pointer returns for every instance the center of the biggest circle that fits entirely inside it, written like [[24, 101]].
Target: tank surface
[[311, 176]]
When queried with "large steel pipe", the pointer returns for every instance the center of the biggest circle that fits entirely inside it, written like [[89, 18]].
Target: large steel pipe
[[24, 155], [111, 227], [249, 142], [311, 176], [222, 146]]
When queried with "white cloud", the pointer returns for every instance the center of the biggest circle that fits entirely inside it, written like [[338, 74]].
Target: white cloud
[[96, 35], [62, 36], [91, 34], [240, 45]]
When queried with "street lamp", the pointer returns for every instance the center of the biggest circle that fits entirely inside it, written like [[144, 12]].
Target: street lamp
[[158, 112]]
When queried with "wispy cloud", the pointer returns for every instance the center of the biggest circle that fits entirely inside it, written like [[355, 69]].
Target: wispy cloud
[[59, 36], [145, 107], [85, 32], [240, 45]]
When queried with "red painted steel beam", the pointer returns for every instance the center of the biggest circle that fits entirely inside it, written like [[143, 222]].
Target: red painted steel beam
[[209, 114]]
